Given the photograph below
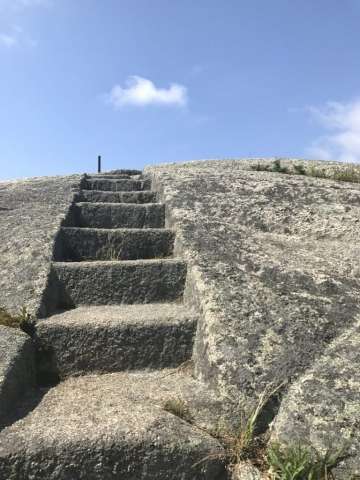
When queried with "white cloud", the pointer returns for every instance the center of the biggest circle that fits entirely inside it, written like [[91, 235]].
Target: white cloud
[[16, 37], [140, 91], [342, 122], [8, 40]]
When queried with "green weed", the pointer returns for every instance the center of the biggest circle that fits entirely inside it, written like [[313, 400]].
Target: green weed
[[299, 462]]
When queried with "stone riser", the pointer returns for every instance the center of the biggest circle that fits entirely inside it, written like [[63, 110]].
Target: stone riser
[[113, 215], [114, 282], [114, 185], [145, 196], [77, 244], [95, 343]]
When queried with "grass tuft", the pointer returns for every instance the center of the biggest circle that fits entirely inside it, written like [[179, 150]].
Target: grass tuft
[[346, 173], [243, 443], [22, 321], [299, 462], [179, 408]]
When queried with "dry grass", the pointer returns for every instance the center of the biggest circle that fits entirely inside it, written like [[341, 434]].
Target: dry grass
[[275, 462], [8, 320], [243, 444], [22, 321], [344, 173], [179, 408]]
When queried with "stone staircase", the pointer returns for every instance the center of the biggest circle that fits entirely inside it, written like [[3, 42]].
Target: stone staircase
[[119, 333]]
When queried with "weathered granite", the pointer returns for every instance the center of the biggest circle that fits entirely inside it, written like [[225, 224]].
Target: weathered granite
[[246, 471], [322, 408], [17, 371], [31, 212], [117, 215], [273, 266], [116, 282], [115, 426], [75, 244], [114, 338]]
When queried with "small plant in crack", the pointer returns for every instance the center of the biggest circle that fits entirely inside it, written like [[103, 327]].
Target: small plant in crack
[[23, 320], [299, 462], [243, 443], [179, 408]]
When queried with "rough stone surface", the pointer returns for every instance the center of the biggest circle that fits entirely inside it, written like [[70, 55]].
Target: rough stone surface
[[124, 244], [273, 266], [116, 197], [274, 258], [117, 215], [17, 372], [113, 184], [273, 269], [114, 426], [114, 282], [323, 407], [31, 212], [114, 338], [246, 471]]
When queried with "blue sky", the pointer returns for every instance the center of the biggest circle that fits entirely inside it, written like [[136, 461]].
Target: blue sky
[[150, 81]]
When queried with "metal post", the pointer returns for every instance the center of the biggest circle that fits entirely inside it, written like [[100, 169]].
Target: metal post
[[99, 164]]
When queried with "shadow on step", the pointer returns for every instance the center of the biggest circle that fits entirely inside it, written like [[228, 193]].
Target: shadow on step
[[28, 403]]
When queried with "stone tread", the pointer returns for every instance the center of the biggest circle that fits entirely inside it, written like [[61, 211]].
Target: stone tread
[[114, 426], [139, 315], [114, 263]]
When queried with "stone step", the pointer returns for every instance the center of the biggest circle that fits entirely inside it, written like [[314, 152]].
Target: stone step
[[115, 338], [115, 426], [121, 172], [113, 185], [145, 196], [77, 244], [117, 215], [113, 282], [102, 176]]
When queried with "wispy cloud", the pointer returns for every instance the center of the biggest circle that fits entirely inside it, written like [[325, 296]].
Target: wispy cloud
[[341, 140], [7, 40], [140, 91], [16, 36], [18, 5], [11, 11]]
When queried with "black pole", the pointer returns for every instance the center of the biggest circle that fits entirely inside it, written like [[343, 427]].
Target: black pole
[[99, 164]]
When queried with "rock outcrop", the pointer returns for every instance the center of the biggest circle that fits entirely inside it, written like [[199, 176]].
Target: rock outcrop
[[273, 265], [252, 275], [31, 212]]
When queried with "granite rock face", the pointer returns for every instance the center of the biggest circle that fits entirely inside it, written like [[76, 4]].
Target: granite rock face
[[17, 371], [323, 407], [245, 471], [31, 212], [274, 268]]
